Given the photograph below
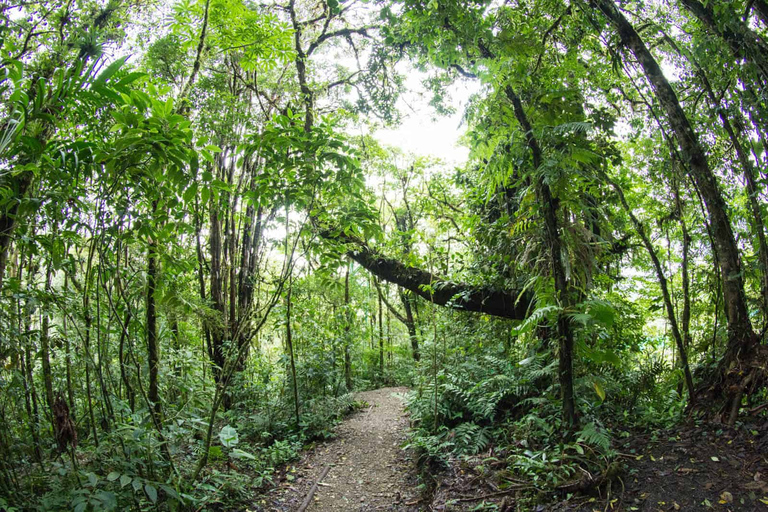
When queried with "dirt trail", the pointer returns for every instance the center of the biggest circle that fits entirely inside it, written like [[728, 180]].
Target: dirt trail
[[368, 469]]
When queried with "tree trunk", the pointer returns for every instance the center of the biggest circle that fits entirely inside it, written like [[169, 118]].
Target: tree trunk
[[557, 270], [68, 359], [217, 293], [122, 361], [685, 319], [289, 343], [512, 304], [347, 327], [381, 338], [664, 292], [742, 340], [153, 349], [748, 171], [45, 349], [410, 324]]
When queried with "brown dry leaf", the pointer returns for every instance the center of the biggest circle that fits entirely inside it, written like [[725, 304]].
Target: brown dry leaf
[[756, 486]]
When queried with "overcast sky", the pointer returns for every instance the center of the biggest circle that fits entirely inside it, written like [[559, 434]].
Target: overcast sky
[[422, 131]]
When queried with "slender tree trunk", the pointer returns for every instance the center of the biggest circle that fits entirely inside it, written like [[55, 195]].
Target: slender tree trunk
[[45, 349], [685, 319], [289, 343], [31, 406], [381, 338], [664, 292], [122, 361], [68, 359], [88, 359], [153, 349], [410, 325], [742, 340], [756, 221], [201, 281], [217, 293], [557, 270], [347, 327]]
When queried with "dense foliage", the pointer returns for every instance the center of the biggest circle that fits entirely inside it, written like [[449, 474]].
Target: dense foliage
[[204, 250]]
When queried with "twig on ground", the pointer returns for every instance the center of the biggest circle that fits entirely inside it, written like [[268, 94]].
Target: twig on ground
[[312, 491], [493, 494]]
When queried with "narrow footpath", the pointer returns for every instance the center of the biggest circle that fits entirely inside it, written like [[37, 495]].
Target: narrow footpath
[[364, 467]]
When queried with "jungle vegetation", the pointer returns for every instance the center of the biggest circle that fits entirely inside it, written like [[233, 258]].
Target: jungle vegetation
[[204, 250]]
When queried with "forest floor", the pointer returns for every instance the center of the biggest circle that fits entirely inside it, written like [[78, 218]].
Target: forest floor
[[364, 465], [365, 468], [685, 468], [701, 467]]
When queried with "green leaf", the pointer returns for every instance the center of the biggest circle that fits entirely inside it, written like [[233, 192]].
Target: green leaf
[[151, 493], [170, 491], [114, 475], [108, 500], [110, 71], [190, 194], [228, 436], [599, 390], [124, 480], [237, 453]]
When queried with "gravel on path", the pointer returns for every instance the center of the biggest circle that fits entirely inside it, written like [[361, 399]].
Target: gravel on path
[[369, 469]]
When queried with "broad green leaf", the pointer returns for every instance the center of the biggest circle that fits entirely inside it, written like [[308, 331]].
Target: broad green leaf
[[237, 453], [228, 436], [151, 493], [599, 389]]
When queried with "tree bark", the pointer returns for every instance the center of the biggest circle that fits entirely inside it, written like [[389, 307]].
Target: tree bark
[[381, 338], [664, 292], [291, 355], [742, 340], [122, 361], [557, 270], [153, 349], [510, 304], [748, 171], [347, 327], [217, 292], [410, 324], [407, 320], [45, 350]]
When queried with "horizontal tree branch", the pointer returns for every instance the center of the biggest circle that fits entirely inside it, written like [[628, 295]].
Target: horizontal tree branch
[[511, 304]]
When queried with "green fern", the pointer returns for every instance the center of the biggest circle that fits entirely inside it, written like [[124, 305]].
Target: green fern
[[594, 436]]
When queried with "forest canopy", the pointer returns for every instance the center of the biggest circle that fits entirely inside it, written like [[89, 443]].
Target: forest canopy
[[206, 249]]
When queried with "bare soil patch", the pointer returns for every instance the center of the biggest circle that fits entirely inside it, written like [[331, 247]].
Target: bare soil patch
[[368, 469]]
